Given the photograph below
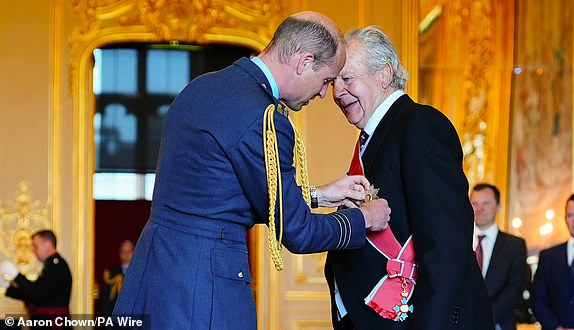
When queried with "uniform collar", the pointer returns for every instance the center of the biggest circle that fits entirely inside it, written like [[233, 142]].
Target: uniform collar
[[268, 75]]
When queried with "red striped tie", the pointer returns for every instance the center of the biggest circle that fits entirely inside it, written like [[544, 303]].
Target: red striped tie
[[479, 251]]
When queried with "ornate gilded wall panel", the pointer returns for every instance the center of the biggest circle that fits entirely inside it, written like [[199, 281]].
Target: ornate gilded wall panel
[[18, 221], [541, 142], [466, 50], [246, 22]]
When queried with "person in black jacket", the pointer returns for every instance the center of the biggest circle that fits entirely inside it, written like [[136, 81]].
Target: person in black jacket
[[553, 287], [502, 257], [48, 297]]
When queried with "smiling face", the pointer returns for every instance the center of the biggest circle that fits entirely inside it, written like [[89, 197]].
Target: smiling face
[[485, 207], [357, 92]]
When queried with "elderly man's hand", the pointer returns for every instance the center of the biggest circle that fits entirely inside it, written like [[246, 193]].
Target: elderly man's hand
[[347, 191], [377, 214]]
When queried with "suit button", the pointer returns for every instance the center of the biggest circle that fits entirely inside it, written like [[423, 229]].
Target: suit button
[[240, 274]]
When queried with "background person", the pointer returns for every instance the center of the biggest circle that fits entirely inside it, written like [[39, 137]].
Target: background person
[[553, 287], [49, 296], [113, 278], [502, 257]]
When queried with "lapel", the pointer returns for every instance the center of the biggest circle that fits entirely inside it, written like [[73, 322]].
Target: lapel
[[497, 254], [559, 264], [380, 134], [562, 261]]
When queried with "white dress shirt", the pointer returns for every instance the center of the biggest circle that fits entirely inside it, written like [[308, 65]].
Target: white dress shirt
[[490, 235], [570, 250], [376, 117]]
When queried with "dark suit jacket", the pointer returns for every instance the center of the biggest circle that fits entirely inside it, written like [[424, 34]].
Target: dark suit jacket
[[51, 289], [415, 158], [553, 289], [190, 267], [506, 278]]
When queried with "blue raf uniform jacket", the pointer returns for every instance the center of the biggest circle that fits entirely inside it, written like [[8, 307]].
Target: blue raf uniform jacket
[[190, 268]]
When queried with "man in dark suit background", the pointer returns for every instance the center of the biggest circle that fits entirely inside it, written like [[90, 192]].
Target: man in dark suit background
[[113, 278], [413, 155], [553, 293], [502, 257]]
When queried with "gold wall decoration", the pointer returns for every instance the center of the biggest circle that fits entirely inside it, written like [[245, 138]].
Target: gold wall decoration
[[17, 224], [249, 23], [541, 155], [466, 55], [309, 268], [475, 88]]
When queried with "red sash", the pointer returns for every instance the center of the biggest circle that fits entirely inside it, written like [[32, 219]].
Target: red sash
[[390, 297]]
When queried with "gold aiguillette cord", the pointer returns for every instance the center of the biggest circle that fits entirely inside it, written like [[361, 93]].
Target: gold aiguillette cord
[[274, 186]]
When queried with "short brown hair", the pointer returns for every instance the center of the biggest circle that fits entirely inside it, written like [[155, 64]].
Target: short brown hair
[[46, 235], [482, 186]]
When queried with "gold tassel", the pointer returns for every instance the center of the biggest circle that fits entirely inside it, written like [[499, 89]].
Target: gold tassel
[[274, 187]]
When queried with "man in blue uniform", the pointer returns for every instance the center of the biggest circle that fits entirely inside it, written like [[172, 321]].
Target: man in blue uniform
[[190, 267]]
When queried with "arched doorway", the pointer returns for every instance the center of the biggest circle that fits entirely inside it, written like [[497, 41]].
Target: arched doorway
[[137, 21]]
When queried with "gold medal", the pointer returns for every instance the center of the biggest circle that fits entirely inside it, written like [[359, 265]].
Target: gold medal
[[371, 194]]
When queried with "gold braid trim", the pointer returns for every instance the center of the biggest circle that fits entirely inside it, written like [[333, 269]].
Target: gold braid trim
[[274, 187], [301, 165], [115, 283]]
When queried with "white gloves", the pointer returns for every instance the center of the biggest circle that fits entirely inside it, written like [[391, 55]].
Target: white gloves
[[8, 270]]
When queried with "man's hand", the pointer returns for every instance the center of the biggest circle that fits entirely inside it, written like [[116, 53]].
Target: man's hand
[[347, 191], [377, 214], [8, 270]]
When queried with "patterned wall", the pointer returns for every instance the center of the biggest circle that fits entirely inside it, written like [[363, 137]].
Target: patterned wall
[[540, 177]]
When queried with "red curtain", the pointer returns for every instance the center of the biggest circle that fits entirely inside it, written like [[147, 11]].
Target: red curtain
[[115, 221]]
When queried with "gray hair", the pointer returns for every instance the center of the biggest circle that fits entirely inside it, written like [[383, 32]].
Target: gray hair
[[379, 50], [295, 35]]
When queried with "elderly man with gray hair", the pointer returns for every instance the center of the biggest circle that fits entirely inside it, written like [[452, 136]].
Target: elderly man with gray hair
[[420, 272]]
